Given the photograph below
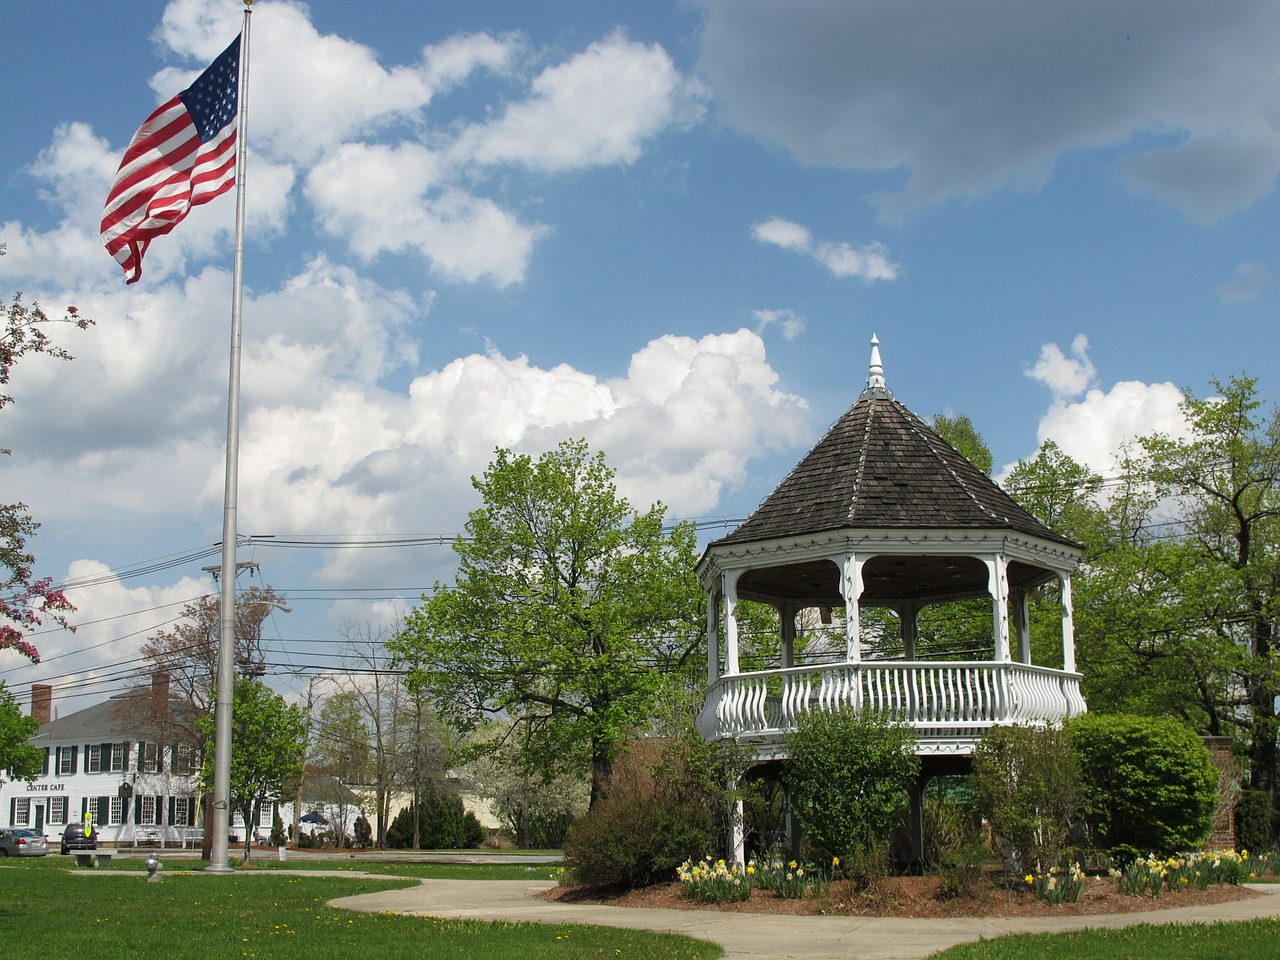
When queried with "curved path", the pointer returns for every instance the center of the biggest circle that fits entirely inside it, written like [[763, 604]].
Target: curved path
[[749, 936]]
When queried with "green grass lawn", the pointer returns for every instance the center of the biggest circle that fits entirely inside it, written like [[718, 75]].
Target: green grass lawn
[[50, 909], [1245, 940]]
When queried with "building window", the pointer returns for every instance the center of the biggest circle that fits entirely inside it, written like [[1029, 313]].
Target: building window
[[117, 759], [149, 762], [115, 812], [181, 811], [183, 759], [148, 812], [93, 762], [264, 815], [57, 809], [66, 760], [21, 811]]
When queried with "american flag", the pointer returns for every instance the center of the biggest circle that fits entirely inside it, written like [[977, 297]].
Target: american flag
[[183, 155]]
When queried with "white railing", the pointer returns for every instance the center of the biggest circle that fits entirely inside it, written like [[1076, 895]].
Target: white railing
[[950, 701]]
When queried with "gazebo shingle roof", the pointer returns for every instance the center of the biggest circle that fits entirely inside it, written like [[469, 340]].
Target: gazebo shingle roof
[[880, 466]]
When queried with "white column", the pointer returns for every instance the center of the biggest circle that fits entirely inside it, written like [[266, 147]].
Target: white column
[[737, 832], [998, 586], [713, 637], [851, 587], [1068, 627], [1022, 620], [909, 628], [787, 618], [729, 584]]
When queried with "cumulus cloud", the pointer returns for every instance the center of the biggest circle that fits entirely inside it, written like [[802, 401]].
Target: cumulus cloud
[[962, 99], [789, 323], [681, 426], [1094, 428], [1248, 283], [870, 261], [104, 648], [1065, 376], [601, 105]]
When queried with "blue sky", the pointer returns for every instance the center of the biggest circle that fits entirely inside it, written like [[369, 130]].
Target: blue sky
[[670, 228]]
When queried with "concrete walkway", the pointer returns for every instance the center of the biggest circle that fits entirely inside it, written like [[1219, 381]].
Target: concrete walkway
[[749, 936]]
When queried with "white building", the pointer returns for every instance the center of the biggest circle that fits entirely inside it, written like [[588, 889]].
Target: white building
[[106, 762]]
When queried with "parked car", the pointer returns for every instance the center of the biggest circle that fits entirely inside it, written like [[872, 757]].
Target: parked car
[[20, 842], [74, 838]]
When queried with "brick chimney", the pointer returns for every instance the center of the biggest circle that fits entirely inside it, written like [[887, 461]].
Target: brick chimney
[[41, 702], [160, 693]]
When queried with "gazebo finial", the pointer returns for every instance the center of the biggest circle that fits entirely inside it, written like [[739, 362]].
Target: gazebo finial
[[876, 386]]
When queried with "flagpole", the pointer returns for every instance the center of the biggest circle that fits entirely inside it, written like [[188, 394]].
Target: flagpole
[[219, 861]]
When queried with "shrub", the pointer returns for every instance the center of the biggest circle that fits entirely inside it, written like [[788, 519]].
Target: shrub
[[954, 840], [473, 832], [849, 775], [1253, 821], [1026, 780], [645, 826], [440, 820], [1148, 784], [362, 832]]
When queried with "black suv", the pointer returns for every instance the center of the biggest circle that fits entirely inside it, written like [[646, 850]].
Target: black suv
[[74, 838]]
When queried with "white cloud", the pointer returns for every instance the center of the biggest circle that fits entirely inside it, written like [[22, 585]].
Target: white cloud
[[111, 621], [963, 98], [1248, 283], [789, 323], [393, 198], [595, 108], [312, 92], [1094, 429], [870, 261], [1065, 376]]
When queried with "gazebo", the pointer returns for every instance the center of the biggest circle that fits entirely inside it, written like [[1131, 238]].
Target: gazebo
[[884, 522]]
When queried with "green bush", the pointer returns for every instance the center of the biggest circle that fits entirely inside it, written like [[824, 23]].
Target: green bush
[[473, 832], [1027, 780], [279, 836], [1253, 821], [441, 821], [1149, 785], [849, 775], [650, 821]]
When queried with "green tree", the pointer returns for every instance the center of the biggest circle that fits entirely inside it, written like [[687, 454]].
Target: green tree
[[536, 808], [26, 600], [960, 432], [849, 773], [268, 742], [1226, 479], [23, 761], [568, 608]]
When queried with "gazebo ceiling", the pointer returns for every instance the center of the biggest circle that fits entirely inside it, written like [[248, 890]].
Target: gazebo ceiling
[[887, 580]]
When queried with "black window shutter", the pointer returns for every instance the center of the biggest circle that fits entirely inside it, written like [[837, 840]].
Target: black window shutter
[[104, 810], [44, 772]]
